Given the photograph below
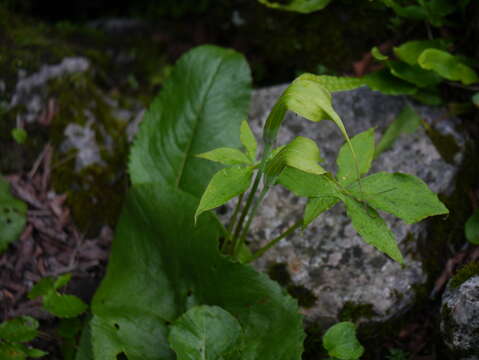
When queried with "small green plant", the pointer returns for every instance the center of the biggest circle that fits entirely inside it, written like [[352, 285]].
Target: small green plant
[[472, 228], [13, 334], [175, 268], [397, 354], [12, 215], [19, 135], [60, 305]]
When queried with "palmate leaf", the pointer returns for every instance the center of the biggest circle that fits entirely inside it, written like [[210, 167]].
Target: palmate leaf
[[224, 185], [301, 6], [200, 108], [402, 195], [248, 140], [227, 156], [301, 153], [178, 265], [372, 228], [363, 144], [205, 333], [308, 97]]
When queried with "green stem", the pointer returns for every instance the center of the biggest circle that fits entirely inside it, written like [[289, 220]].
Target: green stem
[[273, 242], [232, 223], [251, 196], [254, 209]]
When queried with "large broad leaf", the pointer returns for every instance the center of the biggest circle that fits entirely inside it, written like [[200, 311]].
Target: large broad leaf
[[200, 108], [405, 123], [205, 333], [402, 195], [410, 51], [350, 168], [12, 216], [301, 6], [448, 66], [225, 185], [162, 265], [341, 342], [372, 227]]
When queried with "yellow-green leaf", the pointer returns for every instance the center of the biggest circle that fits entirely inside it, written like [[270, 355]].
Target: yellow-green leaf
[[227, 156], [248, 140]]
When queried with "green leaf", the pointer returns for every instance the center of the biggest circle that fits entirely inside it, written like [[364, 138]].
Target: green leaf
[[85, 350], [372, 227], [62, 280], [386, 191], [301, 6], [308, 97], [472, 228], [200, 107], [475, 99], [410, 51], [316, 206], [19, 135], [341, 342], [63, 306], [227, 156], [448, 66], [388, 84], [42, 288], [301, 153], [248, 140], [204, 333], [36, 353], [429, 96], [414, 74], [12, 216], [225, 185], [406, 122], [348, 166], [376, 53], [20, 329], [162, 264], [340, 83], [308, 185], [12, 351]]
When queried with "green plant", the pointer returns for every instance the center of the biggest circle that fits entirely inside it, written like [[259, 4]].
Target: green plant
[[61, 305], [341, 343], [174, 267], [15, 332], [12, 215], [472, 228], [301, 6]]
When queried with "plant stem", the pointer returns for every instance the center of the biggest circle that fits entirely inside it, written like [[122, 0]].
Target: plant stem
[[254, 209], [232, 223], [273, 242], [251, 196]]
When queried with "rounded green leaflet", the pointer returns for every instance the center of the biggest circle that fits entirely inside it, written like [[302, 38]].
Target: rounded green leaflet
[[341, 343], [204, 333], [301, 6], [472, 228]]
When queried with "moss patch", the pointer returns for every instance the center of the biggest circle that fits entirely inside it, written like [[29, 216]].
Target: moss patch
[[465, 273]]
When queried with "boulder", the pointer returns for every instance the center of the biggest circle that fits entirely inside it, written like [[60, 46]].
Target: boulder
[[328, 267], [460, 319]]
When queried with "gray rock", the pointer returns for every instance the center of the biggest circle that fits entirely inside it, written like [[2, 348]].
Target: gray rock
[[31, 91], [460, 319], [329, 261]]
